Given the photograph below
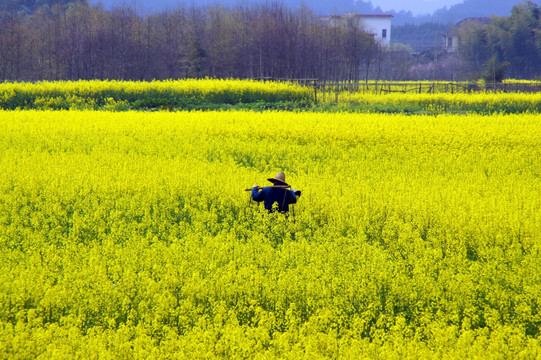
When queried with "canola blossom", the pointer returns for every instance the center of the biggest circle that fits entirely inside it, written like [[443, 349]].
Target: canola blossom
[[130, 235], [482, 103], [249, 94], [98, 94]]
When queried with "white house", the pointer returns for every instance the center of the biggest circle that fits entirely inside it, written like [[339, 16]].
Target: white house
[[377, 25]]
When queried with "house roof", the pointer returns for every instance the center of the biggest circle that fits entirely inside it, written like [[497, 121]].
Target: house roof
[[350, 16]]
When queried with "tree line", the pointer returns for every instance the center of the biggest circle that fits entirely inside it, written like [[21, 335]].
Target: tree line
[[82, 41], [65, 40], [506, 46]]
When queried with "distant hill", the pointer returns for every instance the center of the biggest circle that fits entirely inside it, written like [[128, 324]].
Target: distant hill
[[455, 13], [424, 32], [475, 8], [319, 7]]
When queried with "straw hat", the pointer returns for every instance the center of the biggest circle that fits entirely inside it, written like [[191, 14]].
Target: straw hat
[[279, 179]]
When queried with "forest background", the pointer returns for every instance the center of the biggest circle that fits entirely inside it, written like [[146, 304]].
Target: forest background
[[70, 40]]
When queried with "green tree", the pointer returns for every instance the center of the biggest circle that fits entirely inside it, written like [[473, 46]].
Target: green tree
[[475, 45], [521, 40], [511, 44]]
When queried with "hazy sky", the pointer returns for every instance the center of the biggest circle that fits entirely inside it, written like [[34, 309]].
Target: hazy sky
[[415, 6]]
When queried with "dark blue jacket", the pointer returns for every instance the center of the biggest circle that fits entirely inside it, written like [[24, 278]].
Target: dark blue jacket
[[270, 195]]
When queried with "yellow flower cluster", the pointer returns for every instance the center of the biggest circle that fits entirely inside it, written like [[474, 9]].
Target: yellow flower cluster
[[129, 235], [483, 103], [521, 81], [221, 94], [96, 93]]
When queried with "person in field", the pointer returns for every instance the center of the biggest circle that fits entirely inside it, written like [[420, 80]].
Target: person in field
[[280, 193]]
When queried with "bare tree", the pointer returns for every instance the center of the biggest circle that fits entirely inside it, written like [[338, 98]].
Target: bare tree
[[269, 40]]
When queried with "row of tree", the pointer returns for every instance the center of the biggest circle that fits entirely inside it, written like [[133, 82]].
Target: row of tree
[[81, 41], [76, 40]]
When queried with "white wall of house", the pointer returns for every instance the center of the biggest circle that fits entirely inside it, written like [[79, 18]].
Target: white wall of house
[[380, 26], [377, 25]]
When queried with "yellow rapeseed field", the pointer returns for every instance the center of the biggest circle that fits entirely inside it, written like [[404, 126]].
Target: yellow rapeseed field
[[98, 94], [223, 94], [129, 235], [480, 102]]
